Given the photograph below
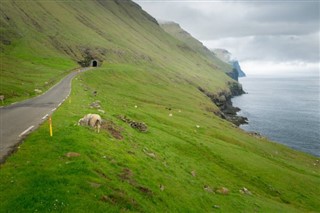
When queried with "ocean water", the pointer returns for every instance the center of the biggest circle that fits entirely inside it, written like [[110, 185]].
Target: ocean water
[[285, 108]]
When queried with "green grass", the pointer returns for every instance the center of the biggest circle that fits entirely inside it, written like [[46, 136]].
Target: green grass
[[143, 66], [50, 37], [113, 175]]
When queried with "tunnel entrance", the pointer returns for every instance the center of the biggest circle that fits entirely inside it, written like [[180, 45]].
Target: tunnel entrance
[[94, 63]]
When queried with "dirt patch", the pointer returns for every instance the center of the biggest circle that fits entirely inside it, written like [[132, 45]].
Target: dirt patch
[[110, 127], [145, 190], [127, 175], [121, 198]]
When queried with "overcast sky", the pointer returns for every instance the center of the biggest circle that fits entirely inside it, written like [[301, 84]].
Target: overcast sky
[[263, 35]]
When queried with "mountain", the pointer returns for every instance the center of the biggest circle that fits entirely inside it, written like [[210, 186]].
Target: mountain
[[163, 146], [43, 40], [177, 32], [225, 56]]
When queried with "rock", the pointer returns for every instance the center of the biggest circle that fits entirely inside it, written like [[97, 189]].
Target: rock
[[150, 154], [170, 115], [245, 191], [102, 111], [2, 98], [193, 173], [223, 191], [142, 127], [161, 187], [72, 154], [95, 105], [256, 134], [222, 99], [216, 207], [207, 188], [38, 91]]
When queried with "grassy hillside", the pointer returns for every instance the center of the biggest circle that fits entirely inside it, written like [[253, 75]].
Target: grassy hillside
[[189, 160], [41, 40], [176, 31]]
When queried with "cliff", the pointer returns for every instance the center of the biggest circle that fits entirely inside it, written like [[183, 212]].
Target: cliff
[[226, 56]]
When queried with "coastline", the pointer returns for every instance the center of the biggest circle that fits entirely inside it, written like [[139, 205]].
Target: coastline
[[282, 109], [223, 101]]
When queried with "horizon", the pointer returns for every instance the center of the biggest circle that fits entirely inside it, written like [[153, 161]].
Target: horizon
[[264, 36]]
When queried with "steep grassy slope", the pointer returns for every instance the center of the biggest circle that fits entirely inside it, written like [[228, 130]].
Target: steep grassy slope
[[42, 39], [178, 165], [176, 31]]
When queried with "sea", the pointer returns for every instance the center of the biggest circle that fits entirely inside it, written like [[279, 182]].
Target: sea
[[284, 108]]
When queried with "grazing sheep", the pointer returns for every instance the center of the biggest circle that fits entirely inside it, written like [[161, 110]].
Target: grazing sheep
[[93, 120]]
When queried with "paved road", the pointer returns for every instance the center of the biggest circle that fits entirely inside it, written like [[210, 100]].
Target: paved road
[[17, 120]]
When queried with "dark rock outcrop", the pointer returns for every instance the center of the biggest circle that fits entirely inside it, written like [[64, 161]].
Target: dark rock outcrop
[[238, 69], [223, 101]]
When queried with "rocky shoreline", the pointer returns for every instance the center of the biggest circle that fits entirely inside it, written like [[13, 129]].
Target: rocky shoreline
[[223, 100]]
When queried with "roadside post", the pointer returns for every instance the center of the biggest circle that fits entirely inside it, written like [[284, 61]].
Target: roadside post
[[50, 125]]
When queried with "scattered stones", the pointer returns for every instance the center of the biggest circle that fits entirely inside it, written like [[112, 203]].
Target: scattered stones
[[150, 154], [96, 105], [140, 126], [72, 154], [94, 185], [37, 91], [207, 188], [245, 191], [161, 187], [102, 111], [256, 134], [216, 206], [223, 191], [193, 173]]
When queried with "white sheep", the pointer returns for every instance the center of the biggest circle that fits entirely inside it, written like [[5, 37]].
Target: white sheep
[[93, 120]]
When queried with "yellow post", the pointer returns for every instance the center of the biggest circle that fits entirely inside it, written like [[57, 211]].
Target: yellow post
[[50, 125]]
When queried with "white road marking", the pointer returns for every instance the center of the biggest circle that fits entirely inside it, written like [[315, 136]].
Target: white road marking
[[44, 117], [53, 109], [25, 131]]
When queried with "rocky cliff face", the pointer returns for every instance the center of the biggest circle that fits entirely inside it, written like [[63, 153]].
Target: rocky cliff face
[[225, 56], [223, 101], [237, 67]]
